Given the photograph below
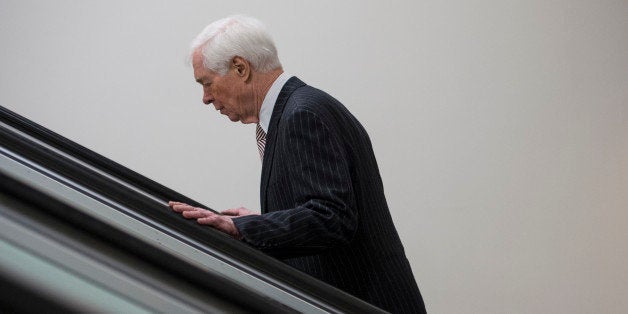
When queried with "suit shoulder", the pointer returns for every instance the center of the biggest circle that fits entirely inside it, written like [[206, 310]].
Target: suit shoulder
[[310, 99]]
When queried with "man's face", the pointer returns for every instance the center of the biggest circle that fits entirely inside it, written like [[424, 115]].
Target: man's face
[[229, 93]]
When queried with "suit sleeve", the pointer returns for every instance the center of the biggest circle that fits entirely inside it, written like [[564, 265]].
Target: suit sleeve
[[319, 187]]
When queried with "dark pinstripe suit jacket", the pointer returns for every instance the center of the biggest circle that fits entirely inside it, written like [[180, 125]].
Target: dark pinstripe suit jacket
[[323, 205]]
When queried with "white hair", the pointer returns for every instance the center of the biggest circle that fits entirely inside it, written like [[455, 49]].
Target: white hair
[[233, 36]]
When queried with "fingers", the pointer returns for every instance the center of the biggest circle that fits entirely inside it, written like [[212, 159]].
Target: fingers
[[180, 208], [197, 213], [183, 208], [231, 212], [191, 212], [207, 217], [241, 211]]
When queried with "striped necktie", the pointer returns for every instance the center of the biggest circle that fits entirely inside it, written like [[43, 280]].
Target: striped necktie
[[261, 140]]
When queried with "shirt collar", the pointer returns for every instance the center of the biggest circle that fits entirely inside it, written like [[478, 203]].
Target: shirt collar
[[270, 99]]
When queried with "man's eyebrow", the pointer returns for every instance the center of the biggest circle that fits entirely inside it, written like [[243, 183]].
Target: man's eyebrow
[[203, 81]]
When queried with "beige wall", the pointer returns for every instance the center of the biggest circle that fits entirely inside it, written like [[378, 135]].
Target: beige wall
[[500, 127]]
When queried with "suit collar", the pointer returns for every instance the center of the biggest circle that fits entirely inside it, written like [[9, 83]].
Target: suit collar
[[271, 137]]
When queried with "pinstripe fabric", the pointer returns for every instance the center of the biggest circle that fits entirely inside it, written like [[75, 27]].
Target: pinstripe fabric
[[323, 204]]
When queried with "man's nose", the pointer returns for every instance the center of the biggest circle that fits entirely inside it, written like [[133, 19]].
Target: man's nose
[[207, 99]]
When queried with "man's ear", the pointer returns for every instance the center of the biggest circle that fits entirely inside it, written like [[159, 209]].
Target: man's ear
[[241, 67]]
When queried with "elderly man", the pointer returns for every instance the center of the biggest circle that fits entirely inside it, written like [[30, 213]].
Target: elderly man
[[323, 209]]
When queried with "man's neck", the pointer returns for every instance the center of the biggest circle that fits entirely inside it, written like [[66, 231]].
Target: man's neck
[[265, 81]]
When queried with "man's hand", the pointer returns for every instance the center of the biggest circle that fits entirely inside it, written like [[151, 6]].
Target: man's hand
[[222, 221]]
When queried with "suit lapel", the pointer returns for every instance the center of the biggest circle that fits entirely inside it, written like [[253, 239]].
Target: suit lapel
[[271, 138]]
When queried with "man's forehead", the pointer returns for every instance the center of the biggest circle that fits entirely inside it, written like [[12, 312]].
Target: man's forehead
[[197, 65], [204, 75], [197, 59]]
